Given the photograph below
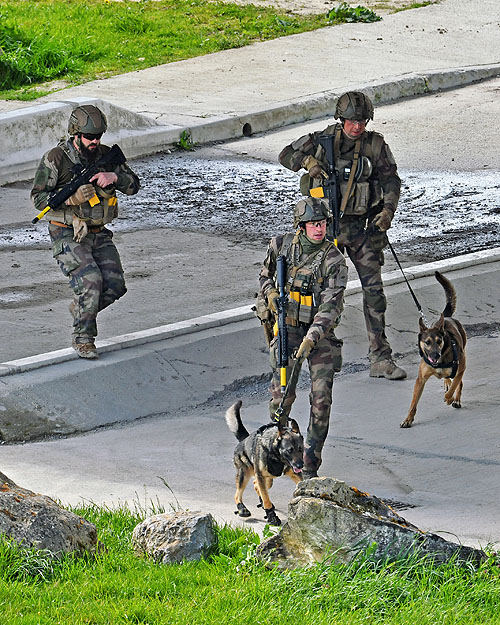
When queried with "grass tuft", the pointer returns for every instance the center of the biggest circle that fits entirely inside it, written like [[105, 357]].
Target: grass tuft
[[231, 585], [79, 40]]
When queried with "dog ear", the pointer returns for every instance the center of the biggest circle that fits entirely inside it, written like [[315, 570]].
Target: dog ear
[[281, 430], [422, 324], [440, 323], [295, 426]]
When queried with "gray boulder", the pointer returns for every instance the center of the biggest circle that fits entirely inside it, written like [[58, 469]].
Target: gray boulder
[[34, 520], [175, 537], [327, 518]]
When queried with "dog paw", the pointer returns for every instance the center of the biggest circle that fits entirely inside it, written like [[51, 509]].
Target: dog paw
[[405, 424], [242, 510], [271, 517], [456, 404]]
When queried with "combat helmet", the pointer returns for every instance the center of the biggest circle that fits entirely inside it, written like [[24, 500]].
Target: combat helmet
[[354, 105], [310, 209], [87, 119]]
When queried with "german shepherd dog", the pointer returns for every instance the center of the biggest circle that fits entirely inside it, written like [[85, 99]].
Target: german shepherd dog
[[442, 348], [267, 453]]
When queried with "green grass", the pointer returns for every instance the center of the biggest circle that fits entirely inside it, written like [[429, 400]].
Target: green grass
[[79, 40], [116, 587]]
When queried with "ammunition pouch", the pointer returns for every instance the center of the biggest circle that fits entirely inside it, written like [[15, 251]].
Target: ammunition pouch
[[101, 213]]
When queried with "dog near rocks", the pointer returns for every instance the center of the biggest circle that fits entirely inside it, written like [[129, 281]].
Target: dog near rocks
[[267, 453], [442, 351]]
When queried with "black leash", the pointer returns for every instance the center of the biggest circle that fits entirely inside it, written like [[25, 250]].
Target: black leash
[[417, 303], [371, 228]]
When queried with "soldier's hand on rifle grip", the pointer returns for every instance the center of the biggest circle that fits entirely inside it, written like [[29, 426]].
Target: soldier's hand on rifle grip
[[383, 220], [272, 297], [81, 195], [305, 348], [313, 167]]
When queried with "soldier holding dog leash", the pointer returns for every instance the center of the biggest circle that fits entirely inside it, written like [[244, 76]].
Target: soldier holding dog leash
[[368, 193], [316, 277]]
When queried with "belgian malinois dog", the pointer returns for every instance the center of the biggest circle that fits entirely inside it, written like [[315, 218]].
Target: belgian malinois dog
[[267, 453], [442, 348]]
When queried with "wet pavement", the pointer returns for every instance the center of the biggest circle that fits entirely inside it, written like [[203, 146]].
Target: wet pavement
[[440, 215]]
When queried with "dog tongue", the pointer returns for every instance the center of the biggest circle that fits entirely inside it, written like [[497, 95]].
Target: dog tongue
[[295, 470]]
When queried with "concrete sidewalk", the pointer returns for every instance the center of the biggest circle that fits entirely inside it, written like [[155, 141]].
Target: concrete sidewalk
[[269, 84], [443, 471]]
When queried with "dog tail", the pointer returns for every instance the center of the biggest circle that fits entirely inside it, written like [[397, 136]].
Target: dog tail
[[451, 296], [234, 423]]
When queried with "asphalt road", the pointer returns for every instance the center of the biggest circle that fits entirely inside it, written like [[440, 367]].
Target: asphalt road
[[205, 256], [442, 473]]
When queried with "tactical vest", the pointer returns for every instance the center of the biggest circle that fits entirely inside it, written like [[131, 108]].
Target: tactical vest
[[95, 213], [365, 190], [304, 285]]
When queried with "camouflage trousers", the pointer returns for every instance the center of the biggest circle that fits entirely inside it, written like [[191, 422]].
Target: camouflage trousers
[[368, 264], [324, 361], [94, 271]]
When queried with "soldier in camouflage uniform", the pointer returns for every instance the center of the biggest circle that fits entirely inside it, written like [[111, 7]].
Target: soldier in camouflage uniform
[[369, 193], [316, 279], [81, 244]]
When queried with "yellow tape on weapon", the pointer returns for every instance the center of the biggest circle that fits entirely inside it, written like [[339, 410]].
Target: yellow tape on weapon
[[317, 192], [41, 214], [283, 378]]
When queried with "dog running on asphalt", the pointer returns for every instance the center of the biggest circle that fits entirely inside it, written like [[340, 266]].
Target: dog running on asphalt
[[442, 348], [267, 453]]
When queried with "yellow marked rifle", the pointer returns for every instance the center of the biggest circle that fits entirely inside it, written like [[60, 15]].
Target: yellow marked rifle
[[113, 157], [282, 305], [330, 187]]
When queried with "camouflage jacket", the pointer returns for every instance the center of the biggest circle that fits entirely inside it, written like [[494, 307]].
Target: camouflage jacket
[[56, 169], [380, 174], [326, 288]]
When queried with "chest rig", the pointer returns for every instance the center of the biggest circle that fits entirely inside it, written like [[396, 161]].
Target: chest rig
[[304, 283], [354, 166], [99, 211]]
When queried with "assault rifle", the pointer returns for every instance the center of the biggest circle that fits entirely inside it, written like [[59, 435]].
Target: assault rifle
[[330, 188], [282, 305], [114, 157]]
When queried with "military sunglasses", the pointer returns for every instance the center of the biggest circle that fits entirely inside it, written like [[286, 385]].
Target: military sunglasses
[[91, 137]]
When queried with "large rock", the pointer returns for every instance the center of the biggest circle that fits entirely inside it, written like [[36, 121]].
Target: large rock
[[176, 537], [327, 517], [34, 520]]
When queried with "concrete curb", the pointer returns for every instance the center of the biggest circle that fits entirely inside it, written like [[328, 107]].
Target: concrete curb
[[234, 315], [139, 135]]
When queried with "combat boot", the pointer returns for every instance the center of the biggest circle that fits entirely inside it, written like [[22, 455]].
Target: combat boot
[[85, 347], [387, 369]]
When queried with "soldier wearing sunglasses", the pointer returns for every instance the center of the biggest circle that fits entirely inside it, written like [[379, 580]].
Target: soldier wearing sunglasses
[[81, 243]]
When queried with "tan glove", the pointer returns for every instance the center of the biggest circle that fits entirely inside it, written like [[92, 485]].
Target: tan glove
[[313, 167], [82, 195], [272, 296], [305, 348], [383, 220], [80, 229]]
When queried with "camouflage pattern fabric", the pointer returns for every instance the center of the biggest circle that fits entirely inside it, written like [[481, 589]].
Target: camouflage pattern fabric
[[94, 272], [55, 170], [324, 361], [326, 357], [385, 185]]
